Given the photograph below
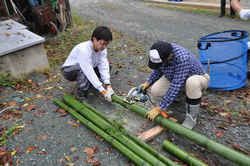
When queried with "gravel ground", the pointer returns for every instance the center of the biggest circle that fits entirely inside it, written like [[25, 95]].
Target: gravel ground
[[136, 20]]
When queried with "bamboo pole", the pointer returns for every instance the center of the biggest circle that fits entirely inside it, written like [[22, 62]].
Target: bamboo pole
[[133, 137], [200, 139], [181, 154], [123, 149], [105, 126]]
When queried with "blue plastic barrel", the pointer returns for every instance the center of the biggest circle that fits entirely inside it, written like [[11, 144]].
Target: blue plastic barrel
[[224, 54]]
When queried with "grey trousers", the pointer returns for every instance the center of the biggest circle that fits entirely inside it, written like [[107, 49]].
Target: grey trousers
[[75, 73]]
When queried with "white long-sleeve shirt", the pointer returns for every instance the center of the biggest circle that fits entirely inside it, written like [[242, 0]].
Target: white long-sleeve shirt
[[88, 59]]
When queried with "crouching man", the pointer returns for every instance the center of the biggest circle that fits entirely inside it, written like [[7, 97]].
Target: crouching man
[[87, 62], [175, 67]]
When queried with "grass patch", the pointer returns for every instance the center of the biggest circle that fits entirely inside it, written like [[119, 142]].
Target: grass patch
[[110, 6], [200, 10]]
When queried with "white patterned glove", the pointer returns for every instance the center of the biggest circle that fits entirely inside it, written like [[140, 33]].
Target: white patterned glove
[[244, 14], [107, 95], [109, 88]]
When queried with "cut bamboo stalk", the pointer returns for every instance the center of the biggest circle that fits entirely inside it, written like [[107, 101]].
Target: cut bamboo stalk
[[200, 139], [181, 154], [105, 126], [123, 149], [133, 137]]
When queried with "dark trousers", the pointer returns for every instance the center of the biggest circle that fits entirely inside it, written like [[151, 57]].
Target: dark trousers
[[223, 5]]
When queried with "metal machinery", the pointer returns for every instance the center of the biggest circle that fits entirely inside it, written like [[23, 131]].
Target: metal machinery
[[38, 15]]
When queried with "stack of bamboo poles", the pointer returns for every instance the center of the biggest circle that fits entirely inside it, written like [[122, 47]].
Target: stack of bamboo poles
[[140, 152], [102, 126], [200, 139]]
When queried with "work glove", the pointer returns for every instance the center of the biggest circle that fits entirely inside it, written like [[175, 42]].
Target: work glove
[[109, 88], [145, 86], [151, 115], [244, 14], [107, 95]]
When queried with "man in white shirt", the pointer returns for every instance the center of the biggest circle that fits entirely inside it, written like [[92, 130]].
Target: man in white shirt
[[87, 62], [244, 15]]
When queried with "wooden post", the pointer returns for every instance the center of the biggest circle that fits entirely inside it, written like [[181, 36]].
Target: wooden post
[[69, 16]]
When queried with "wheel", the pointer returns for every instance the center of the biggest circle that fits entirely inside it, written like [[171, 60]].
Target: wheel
[[53, 28]]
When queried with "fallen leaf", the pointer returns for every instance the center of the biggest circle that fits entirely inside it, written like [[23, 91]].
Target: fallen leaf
[[95, 148], [69, 122], [223, 114], [88, 159], [20, 153], [144, 125], [61, 141], [31, 148], [89, 151], [228, 101], [25, 105], [47, 152], [108, 150], [173, 119], [27, 99], [222, 98], [55, 110], [73, 149], [17, 161], [39, 96], [20, 92], [236, 146], [219, 134], [222, 127], [31, 107], [192, 154], [71, 164], [13, 103], [40, 152], [64, 114], [74, 125], [61, 160], [36, 114], [124, 120], [48, 88], [75, 158], [202, 123], [96, 163], [94, 160], [129, 82], [67, 157], [13, 153], [42, 137]]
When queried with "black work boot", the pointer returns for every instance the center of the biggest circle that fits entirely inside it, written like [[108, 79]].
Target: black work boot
[[83, 96]]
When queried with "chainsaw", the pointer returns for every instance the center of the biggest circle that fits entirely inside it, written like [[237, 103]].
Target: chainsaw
[[135, 95]]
